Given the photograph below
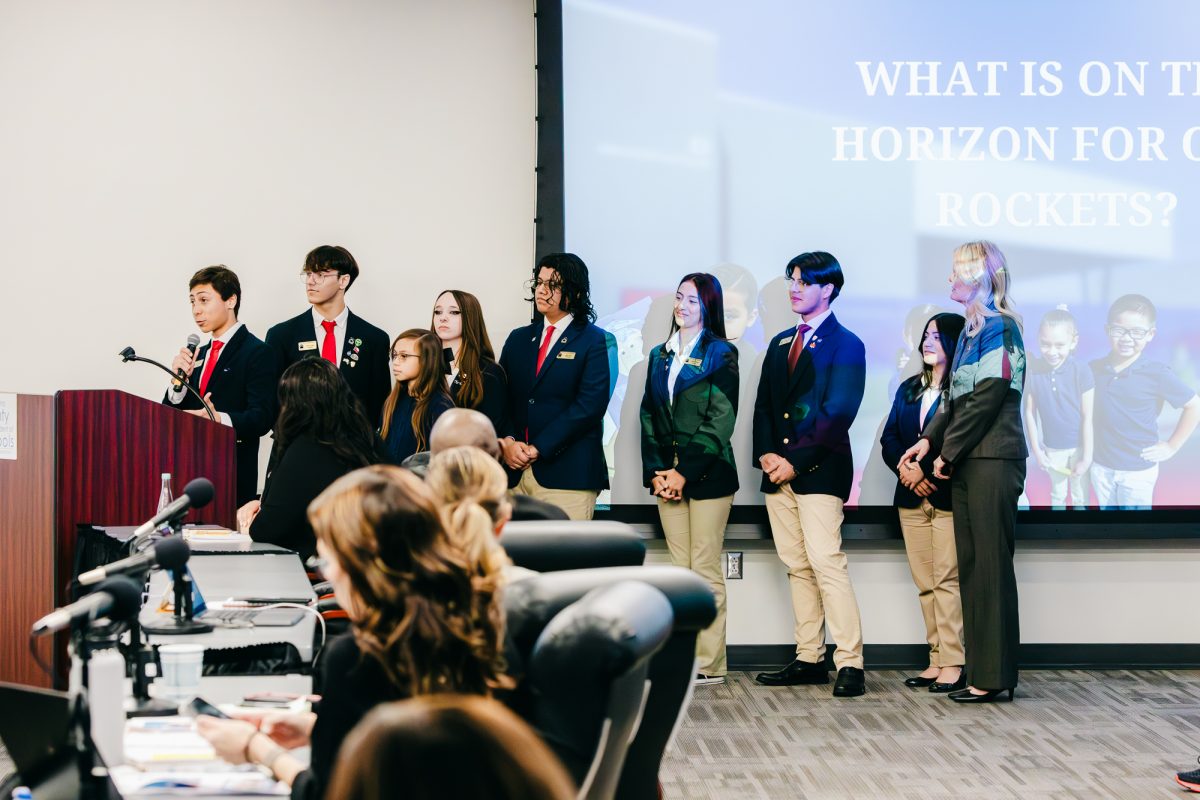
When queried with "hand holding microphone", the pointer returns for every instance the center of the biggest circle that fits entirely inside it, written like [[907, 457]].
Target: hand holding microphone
[[184, 360]]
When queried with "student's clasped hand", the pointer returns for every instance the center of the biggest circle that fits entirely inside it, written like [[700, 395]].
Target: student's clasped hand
[[778, 469]]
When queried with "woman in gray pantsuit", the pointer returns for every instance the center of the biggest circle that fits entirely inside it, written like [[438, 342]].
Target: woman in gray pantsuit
[[981, 446]]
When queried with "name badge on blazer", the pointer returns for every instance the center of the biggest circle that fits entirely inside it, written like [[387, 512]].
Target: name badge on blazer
[[694, 362], [565, 356], [786, 340], [306, 346]]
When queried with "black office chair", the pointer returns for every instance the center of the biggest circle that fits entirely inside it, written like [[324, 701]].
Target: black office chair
[[588, 674], [531, 603], [555, 545]]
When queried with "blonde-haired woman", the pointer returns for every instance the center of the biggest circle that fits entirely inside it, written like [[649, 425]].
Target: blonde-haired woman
[[472, 489], [980, 443]]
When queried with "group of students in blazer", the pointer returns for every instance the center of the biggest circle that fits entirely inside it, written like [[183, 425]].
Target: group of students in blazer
[[548, 392], [954, 439]]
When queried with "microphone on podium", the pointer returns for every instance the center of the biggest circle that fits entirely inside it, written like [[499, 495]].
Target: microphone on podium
[[170, 553], [128, 354]]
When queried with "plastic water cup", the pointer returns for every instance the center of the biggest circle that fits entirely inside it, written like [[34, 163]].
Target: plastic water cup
[[182, 665]]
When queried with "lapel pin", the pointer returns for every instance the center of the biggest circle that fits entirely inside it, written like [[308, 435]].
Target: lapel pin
[[354, 356], [358, 342], [353, 364]]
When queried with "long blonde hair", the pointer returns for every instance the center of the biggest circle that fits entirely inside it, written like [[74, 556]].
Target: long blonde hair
[[983, 267], [473, 490]]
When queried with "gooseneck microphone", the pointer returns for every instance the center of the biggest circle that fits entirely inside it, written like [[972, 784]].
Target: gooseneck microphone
[[197, 494], [169, 553], [128, 354], [117, 598]]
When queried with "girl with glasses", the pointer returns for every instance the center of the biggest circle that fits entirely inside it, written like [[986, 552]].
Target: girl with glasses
[[418, 397]]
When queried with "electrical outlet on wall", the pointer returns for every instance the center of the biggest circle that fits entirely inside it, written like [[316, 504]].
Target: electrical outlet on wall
[[733, 565]]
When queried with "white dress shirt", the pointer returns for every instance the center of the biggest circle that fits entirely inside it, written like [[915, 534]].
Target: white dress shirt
[[680, 354], [339, 333], [176, 395]]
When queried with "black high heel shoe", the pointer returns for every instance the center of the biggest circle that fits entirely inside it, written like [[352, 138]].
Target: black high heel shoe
[[989, 696], [943, 688], [917, 682]]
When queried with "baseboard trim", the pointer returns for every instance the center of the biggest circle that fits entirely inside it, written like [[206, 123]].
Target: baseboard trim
[[1032, 656]]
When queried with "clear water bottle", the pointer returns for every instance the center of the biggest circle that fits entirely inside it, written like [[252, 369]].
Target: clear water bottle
[[165, 498]]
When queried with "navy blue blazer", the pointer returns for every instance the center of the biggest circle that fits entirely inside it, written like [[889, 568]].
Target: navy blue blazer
[[243, 386], [692, 432], [901, 432], [494, 402], [562, 407], [366, 356], [806, 419]]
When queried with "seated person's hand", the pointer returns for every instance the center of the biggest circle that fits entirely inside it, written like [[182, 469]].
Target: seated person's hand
[[229, 737], [246, 515]]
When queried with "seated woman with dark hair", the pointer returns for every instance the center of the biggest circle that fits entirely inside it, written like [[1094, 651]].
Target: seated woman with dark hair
[[421, 623], [321, 434], [447, 747]]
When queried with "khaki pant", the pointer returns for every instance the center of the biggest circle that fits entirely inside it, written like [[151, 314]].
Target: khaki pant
[[578, 504], [808, 537], [695, 531], [929, 542], [1061, 463]]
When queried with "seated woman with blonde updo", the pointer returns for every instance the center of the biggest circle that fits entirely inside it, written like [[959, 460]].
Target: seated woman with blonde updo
[[422, 622]]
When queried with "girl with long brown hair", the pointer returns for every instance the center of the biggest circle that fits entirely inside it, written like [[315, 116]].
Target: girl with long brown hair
[[475, 380], [418, 397], [422, 622]]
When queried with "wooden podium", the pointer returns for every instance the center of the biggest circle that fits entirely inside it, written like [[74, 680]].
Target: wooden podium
[[90, 457]]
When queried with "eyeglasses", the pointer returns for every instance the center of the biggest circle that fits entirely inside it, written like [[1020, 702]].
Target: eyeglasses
[[404, 356], [537, 283], [799, 283], [318, 277], [1117, 332]]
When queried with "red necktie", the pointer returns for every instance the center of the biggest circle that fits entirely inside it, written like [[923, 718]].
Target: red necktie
[[329, 345], [545, 348], [797, 346], [213, 352]]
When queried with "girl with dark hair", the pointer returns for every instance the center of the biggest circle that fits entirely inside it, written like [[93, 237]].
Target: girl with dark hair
[[418, 397], [431, 748], [422, 623], [476, 380], [923, 503], [688, 413], [321, 434]]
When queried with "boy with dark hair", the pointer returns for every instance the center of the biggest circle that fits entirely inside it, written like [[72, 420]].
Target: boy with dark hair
[[332, 331], [1129, 395], [236, 372], [561, 374], [809, 392]]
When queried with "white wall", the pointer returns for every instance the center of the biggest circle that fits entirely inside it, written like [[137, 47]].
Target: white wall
[[142, 140], [1070, 592]]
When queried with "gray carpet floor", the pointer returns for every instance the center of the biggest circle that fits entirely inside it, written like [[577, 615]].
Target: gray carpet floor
[[1070, 734]]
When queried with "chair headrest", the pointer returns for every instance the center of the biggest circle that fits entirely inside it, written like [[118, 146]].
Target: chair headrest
[[554, 545]]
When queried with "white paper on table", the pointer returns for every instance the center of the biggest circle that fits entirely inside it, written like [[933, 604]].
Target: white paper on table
[[224, 779]]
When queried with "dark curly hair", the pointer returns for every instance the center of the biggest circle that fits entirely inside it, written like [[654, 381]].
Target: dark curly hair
[[576, 289], [315, 399], [418, 610]]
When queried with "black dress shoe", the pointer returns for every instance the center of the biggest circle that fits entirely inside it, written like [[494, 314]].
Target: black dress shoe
[[851, 682], [795, 674], [989, 696], [917, 682], [937, 687]]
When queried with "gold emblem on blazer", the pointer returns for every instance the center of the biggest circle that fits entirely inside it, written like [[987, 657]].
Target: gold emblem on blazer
[[302, 346], [565, 356]]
